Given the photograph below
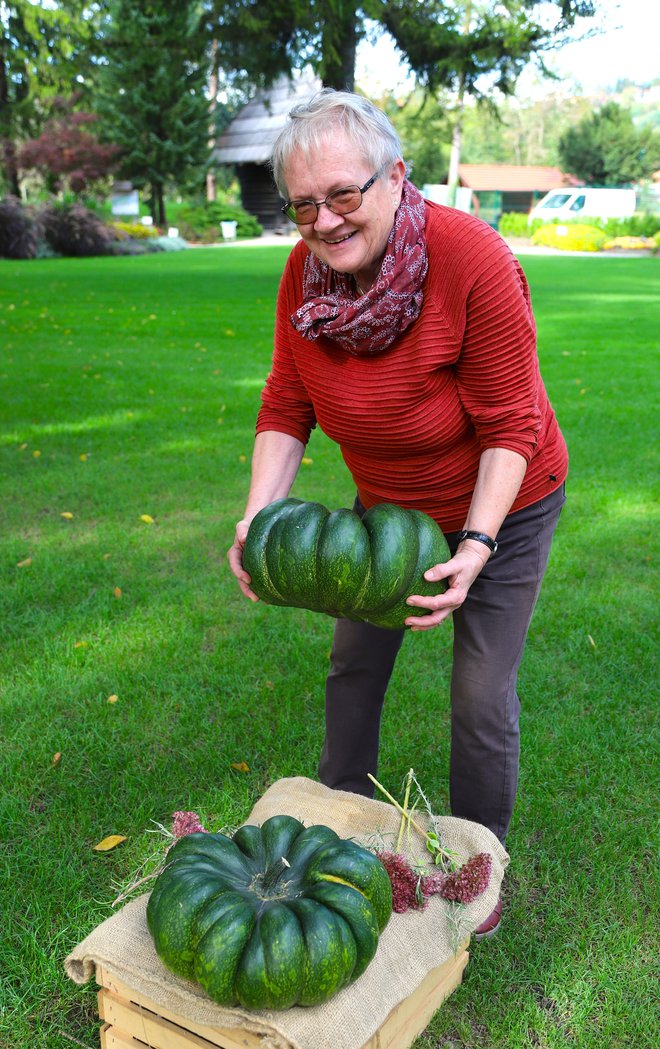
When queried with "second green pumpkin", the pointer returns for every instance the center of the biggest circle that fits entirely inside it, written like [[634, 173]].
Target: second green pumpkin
[[362, 568]]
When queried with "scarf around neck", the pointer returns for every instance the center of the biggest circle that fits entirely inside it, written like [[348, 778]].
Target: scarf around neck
[[370, 323]]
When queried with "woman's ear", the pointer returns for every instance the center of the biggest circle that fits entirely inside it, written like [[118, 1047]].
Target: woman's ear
[[395, 179]]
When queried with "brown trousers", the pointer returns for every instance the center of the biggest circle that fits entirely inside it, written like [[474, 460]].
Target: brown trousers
[[489, 637]]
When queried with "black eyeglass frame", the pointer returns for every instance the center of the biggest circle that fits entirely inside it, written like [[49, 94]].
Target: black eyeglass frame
[[317, 203]]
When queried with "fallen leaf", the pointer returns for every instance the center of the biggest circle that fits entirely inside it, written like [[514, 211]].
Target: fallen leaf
[[117, 592], [240, 766], [36, 453], [242, 458], [80, 644], [147, 518], [306, 461], [67, 515], [56, 758], [25, 563], [83, 457], [22, 448], [111, 842], [112, 698]]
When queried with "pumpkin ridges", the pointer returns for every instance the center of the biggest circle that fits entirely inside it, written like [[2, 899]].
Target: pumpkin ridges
[[291, 555], [393, 549], [346, 863], [255, 552], [364, 568], [278, 835], [342, 561], [223, 926], [256, 943], [272, 965], [357, 911], [170, 917], [432, 549], [330, 951]]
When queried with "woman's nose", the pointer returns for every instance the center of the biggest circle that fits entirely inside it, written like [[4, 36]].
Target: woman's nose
[[326, 219]]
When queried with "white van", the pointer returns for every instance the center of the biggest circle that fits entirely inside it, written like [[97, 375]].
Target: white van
[[585, 202]]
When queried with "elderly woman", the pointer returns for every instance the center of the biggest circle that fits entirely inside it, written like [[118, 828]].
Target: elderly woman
[[405, 330]]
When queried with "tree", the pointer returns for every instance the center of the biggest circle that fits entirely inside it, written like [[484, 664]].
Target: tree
[[43, 50], [153, 94], [606, 149], [66, 153], [265, 38]]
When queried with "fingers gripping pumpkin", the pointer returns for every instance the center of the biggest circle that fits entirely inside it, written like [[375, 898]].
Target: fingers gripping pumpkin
[[278, 915]]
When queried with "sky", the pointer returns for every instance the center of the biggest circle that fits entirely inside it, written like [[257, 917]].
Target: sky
[[627, 48]]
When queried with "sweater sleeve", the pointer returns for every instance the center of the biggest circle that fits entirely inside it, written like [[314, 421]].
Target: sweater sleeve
[[497, 372], [285, 403]]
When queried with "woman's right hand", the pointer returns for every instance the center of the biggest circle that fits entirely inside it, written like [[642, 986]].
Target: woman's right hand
[[235, 558]]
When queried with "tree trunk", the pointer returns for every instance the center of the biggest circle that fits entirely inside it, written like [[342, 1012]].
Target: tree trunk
[[455, 153], [213, 92], [339, 44], [157, 204], [7, 146]]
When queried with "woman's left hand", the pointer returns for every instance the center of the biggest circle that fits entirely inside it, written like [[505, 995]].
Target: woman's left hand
[[460, 573]]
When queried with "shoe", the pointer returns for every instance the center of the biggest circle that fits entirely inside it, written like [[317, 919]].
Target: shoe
[[490, 926]]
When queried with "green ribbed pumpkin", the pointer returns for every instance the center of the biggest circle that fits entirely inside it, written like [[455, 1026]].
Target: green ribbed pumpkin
[[301, 554], [275, 916]]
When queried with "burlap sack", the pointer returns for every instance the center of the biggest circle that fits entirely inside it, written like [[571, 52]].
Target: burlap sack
[[411, 945]]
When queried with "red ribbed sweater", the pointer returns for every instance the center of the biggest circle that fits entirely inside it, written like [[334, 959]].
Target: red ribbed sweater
[[413, 420]]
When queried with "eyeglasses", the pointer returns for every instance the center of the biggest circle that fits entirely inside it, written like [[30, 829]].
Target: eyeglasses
[[341, 202]]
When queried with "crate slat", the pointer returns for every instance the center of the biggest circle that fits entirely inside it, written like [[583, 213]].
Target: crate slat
[[133, 1020], [408, 1019], [216, 1037]]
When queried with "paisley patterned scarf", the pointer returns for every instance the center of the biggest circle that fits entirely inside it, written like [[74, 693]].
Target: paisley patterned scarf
[[370, 323]]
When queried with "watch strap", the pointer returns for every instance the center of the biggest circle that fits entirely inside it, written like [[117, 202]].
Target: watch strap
[[479, 537]]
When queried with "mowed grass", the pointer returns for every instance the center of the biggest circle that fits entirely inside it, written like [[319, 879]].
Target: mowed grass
[[128, 387]]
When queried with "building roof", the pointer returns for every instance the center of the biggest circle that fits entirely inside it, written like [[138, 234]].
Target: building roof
[[249, 138], [512, 178]]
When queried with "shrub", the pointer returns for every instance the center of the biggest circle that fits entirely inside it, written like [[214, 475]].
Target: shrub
[[167, 244], [636, 226], [576, 237], [136, 230], [515, 224], [629, 244], [202, 224], [76, 231], [20, 230]]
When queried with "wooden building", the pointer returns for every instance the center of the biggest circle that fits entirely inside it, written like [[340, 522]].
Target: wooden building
[[497, 188], [247, 141]]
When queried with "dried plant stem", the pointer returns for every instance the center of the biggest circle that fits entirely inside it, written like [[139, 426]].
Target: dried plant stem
[[126, 893], [405, 819], [397, 806]]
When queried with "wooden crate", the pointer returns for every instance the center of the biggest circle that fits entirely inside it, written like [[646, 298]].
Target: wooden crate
[[133, 1021]]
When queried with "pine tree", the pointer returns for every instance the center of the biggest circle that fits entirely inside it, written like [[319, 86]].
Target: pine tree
[[153, 94], [262, 39]]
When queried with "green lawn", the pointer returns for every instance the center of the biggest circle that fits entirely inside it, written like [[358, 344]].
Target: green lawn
[[128, 387]]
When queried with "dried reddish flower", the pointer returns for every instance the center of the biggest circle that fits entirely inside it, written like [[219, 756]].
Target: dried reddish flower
[[406, 883], [186, 823], [465, 884]]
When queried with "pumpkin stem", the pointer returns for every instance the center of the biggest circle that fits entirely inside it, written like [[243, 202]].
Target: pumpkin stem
[[265, 883]]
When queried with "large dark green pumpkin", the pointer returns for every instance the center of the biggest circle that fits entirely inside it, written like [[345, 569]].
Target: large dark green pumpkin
[[303, 555], [277, 915]]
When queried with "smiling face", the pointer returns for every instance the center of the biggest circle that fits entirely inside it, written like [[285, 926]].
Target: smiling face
[[353, 243]]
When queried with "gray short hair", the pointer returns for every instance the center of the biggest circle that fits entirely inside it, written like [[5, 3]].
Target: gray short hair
[[309, 122]]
